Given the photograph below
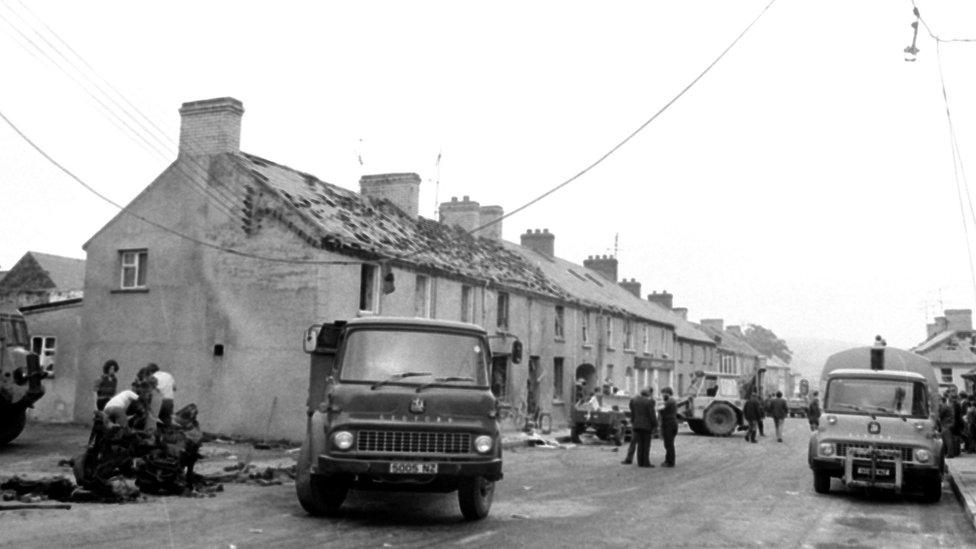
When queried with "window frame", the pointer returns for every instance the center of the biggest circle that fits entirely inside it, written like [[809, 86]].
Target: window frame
[[558, 371], [585, 328], [559, 323], [138, 268], [628, 334], [369, 298], [503, 302], [945, 378], [467, 303], [609, 331]]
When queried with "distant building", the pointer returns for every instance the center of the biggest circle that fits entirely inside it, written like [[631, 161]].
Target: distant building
[[55, 330], [950, 343], [779, 376], [42, 278], [735, 355]]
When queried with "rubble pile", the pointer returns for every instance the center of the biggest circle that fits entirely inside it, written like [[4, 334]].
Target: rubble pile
[[250, 473]]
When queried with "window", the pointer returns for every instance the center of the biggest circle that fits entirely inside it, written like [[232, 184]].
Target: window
[[628, 334], [608, 384], [630, 384], [133, 269], [609, 321], [946, 375], [557, 378], [45, 347], [585, 324], [421, 297], [368, 288], [560, 322], [727, 365], [467, 304], [647, 339], [502, 312]]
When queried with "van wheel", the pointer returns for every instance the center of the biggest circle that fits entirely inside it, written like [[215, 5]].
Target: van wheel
[[14, 428], [932, 490], [821, 482], [319, 496], [474, 497]]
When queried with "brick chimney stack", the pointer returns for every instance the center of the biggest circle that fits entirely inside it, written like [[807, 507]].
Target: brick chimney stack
[[663, 299], [211, 126], [681, 311], [401, 189], [736, 330], [487, 214], [465, 214], [605, 265], [959, 320], [631, 286], [539, 241], [716, 324]]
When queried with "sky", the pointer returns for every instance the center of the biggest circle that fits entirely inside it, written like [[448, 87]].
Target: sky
[[805, 183]]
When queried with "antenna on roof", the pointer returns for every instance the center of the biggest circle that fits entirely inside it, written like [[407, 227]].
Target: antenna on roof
[[437, 183], [359, 152]]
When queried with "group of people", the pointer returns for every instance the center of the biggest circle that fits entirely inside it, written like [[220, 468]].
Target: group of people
[[957, 416], [149, 399], [755, 411], [644, 421]]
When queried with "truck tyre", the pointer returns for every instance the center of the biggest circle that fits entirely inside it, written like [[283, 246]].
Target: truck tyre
[[932, 490], [474, 497], [720, 419], [697, 426], [10, 431], [575, 431], [318, 496], [821, 482]]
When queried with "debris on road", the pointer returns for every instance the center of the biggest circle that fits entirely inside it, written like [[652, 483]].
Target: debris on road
[[20, 506]]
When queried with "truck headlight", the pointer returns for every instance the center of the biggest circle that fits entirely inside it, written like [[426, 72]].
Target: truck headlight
[[342, 440], [832, 420], [483, 444], [826, 448], [922, 455]]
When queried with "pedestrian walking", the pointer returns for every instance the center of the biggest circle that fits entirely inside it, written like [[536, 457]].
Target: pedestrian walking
[[644, 420], [166, 385], [779, 409], [753, 414], [947, 420], [107, 385], [669, 426], [813, 411]]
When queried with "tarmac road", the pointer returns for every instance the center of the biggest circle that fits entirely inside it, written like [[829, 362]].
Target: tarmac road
[[723, 493]]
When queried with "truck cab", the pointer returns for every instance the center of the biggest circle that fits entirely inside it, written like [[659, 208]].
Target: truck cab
[[399, 404], [20, 375], [879, 427]]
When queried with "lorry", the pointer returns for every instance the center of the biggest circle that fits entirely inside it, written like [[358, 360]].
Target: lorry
[[714, 401], [399, 404], [20, 375], [879, 427]]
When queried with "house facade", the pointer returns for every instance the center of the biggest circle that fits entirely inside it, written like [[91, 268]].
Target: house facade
[[735, 355], [950, 344], [55, 331], [42, 278], [216, 268]]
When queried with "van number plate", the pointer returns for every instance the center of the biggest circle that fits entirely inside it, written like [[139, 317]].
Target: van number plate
[[413, 468], [877, 472]]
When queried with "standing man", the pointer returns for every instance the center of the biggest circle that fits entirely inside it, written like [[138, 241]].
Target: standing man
[[753, 414], [669, 426], [107, 385], [813, 412], [644, 419], [779, 409], [166, 385]]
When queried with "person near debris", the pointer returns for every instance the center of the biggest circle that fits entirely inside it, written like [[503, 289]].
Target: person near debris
[[753, 414], [669, 426], [107, 385], [593, 404], [644, 420], [813, 411], [779, 409], [121, 406], [166, 385]]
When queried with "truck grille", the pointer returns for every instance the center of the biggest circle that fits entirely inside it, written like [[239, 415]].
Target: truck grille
[[885, 451], [413, 442]]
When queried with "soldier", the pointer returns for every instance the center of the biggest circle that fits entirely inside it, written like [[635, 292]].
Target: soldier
[[669, 426]]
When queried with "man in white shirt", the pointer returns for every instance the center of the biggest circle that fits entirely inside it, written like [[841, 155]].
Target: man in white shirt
[[166, 385], [117, 407]]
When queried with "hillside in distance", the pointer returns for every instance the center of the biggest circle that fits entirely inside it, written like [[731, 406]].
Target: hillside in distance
[[809, 355]]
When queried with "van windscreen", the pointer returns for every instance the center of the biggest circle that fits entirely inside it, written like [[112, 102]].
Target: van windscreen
[[377, 355], [877, 396]]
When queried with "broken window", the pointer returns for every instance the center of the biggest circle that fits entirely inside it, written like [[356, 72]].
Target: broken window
[[560, 322], [368, 288], [421, 297], [502, 312], [467, 303], [134, 263]]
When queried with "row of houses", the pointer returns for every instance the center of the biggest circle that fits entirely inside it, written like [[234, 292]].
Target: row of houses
[[216, 268], [950, 344]]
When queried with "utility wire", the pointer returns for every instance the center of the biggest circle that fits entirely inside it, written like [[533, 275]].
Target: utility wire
[[935, 36], [623, 142], [159, 225]]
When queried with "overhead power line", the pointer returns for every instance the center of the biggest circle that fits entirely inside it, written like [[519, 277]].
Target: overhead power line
[[932, 33]]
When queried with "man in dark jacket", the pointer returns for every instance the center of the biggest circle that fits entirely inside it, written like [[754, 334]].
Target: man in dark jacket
[[669, 426], [644, 420], [779, 409], [753, 414], [813, 412]]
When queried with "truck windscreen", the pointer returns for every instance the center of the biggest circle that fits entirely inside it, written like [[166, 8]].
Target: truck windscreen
[[378, 355], [877, 396]]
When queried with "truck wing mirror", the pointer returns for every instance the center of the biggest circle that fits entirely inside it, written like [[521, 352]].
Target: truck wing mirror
[[323, 339], [311, 336]]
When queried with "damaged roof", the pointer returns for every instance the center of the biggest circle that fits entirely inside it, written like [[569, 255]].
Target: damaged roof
[[346, 220], [37, 271], [934, 341], [730, 341]]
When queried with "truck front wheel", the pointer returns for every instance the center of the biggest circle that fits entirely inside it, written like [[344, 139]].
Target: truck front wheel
[[319, 496], [697, 426], [720, 419], [821, 482], [474, 497], [10, 431]]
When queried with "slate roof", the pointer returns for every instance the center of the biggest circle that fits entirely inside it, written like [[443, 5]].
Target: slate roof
[[347, 220], [730, 341], [776, 362], [934, 341], [39, 271], [67, 273]]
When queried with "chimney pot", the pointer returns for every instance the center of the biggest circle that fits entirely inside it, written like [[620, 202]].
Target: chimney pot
[[606, 266], [489, 214], [465, 214], [543, 243]]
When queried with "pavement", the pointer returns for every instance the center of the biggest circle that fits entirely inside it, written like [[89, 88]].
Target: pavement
[[962, 478]]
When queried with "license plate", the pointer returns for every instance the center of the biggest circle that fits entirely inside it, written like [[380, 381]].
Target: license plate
[[413, 468], [877, 472]]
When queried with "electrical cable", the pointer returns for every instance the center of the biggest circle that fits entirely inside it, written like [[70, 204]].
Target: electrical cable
[[935, 36]]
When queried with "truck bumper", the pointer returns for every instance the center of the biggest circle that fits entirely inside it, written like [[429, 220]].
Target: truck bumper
[[490, 469], [899, 474]]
